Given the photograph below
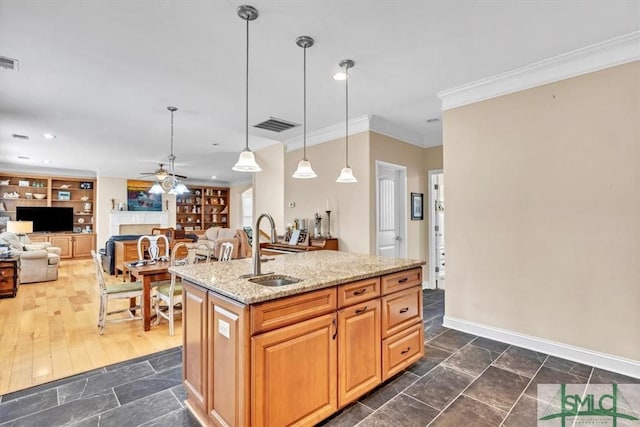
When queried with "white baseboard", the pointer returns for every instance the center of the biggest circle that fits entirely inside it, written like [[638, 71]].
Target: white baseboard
[[577, 354]]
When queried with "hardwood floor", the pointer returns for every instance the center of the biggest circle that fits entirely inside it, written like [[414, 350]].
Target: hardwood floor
[[48, 331]]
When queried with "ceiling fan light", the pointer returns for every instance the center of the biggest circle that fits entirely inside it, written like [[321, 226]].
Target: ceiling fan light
[[156, 188], [181, 188], [246, 162], [346, 176], [304, 170], [161, 174]]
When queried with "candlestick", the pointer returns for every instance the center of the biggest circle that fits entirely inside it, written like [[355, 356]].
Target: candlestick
[[317, 229], [328, 236]]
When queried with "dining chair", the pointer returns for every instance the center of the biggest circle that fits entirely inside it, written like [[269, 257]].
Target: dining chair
[[154, 248], [226, 250], [106, 293], [171, 293]]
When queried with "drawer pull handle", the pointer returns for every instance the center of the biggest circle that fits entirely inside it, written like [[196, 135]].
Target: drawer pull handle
[[404, 310], [362, 310], [406, 350], [360, 292], [403, 280]]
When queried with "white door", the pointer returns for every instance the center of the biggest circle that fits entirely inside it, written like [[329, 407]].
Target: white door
[[391, 210], [436, 230]]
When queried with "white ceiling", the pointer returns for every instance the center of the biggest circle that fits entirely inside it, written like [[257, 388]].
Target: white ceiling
[[100, 74]]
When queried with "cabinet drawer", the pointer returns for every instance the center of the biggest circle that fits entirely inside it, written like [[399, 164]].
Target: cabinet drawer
[[6, 265], [7, 270], [401, 280], [401, 350], [355, 292], [131, 252], [286, 311], [400, 310]]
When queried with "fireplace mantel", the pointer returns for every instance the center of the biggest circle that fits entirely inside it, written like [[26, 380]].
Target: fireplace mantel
[[118, 218]]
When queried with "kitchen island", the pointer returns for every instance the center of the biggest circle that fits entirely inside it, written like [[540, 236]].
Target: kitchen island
[[256, 355]]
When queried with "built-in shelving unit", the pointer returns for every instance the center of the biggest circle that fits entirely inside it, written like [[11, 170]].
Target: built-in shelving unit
[[53, 191], [202, 208]]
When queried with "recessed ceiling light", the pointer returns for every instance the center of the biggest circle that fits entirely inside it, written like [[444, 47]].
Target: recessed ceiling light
[[433, 120], [24, 158], [46, 162], [213, 177], [48, 135]]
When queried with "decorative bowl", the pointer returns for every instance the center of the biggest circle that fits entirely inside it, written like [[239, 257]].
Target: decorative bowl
[[39, 196]]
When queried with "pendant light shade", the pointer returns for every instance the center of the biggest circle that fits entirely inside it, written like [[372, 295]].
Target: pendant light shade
[[156, 188], [304, 170], [246, 161], [346, 175]]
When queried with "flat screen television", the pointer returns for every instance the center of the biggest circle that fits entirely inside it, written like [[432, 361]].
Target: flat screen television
[[48, 219]]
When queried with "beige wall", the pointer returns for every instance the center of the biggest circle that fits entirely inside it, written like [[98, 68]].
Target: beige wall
[[348, 202], [418, 161], [543, 211], [235, 204], [268, 186], [107, 188]]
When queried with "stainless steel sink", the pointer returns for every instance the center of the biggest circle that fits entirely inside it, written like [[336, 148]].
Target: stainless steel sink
[[274, 280]]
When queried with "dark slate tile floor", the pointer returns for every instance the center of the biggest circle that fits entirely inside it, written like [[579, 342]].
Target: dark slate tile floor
[[462, 380], [145, 391], [465, 380]]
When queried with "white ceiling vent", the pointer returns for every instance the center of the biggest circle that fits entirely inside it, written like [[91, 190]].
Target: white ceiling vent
[[8, 63], [276, 125]]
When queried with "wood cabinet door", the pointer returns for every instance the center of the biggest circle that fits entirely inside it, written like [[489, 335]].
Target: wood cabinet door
[[194, 344], [294, 373], [65, 243], [228, 362], [359, 357], [83, 245]]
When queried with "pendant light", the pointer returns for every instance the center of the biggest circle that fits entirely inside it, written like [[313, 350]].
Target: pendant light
[[304, 166], [169, 183], [247, 161], [346, 175]]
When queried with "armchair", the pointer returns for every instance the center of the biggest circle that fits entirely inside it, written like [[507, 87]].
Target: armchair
[[38, 261]]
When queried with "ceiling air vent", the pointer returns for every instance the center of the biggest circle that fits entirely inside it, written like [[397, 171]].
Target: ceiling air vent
[[276, 125], [8, 63], [18, 136]]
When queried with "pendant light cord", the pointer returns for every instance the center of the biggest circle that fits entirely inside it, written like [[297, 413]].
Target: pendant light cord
[[246, 112], [173, 171], [346, 91], [304, 96]]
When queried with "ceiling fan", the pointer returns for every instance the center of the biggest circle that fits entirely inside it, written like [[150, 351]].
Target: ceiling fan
[[161, 173]]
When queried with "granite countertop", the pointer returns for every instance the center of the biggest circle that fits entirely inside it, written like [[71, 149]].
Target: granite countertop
[[316, 269]]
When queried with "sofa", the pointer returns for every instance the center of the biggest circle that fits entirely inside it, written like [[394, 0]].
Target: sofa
[[39, 261], [214, 237]]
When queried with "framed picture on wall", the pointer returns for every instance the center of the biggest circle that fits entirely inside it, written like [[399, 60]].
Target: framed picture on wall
[[416, 206]]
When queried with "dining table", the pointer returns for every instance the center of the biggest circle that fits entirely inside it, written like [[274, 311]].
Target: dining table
[[148, 273]]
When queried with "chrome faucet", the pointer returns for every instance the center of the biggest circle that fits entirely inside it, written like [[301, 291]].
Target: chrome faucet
[[256, 242]]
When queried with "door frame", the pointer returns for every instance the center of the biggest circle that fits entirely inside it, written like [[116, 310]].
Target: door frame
[[431, 284], [401, 206]]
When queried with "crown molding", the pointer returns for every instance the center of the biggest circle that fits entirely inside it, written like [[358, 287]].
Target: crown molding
[[384, 127], [329, 133], [359, 124], [612, 52]]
